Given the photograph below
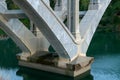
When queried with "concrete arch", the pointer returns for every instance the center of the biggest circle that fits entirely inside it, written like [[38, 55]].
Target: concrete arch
[[15, 29]]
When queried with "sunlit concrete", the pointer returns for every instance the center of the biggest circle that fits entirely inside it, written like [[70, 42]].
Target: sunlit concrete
[[15, 29], [70, 41], [89, 23], [54, 30]]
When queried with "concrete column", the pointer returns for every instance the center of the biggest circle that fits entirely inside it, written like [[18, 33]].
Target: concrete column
[[94, 4], [73, 18], [42, 41], [61, 9], [59, 4], [69, 14]]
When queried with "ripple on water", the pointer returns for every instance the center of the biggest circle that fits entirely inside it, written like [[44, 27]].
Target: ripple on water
[[106, 67], [9, 74]]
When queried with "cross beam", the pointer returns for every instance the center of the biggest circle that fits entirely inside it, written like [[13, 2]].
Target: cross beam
[[14, 14]]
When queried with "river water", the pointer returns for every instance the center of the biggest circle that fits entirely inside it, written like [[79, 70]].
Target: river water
[[105, 48]]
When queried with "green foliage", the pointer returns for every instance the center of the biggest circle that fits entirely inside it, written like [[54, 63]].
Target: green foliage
[[84, 5], [2, 32], [52, 3], [110, 20], [11, 5], [26, 22]]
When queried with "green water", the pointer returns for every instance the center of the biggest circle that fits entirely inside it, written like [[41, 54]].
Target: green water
[[105, 48]]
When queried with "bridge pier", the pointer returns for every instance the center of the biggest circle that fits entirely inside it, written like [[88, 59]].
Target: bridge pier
[[52, 63], [69, 43]]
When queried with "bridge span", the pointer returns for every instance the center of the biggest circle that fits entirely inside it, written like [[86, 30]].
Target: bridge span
[[69, 39]]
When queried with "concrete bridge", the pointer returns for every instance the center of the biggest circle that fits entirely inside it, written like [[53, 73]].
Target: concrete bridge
[[70, 40]]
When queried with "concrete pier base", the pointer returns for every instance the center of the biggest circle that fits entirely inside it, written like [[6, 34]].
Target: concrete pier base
[[51, 63]]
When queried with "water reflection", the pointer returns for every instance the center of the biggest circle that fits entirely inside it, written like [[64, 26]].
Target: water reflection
[[7, 54], [9, 74], [31, 74], [8, 62], [9, 69], [105, 48]]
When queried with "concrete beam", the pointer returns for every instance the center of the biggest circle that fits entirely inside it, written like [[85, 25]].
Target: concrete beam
[[20, 14], [73, 18], [61, 9], [54, 30], [14, 14], [89, 24]]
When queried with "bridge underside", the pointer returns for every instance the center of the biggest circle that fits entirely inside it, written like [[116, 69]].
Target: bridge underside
[[70, 40], [19, 33]]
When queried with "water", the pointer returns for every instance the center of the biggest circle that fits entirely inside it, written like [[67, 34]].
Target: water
[[105, 48]]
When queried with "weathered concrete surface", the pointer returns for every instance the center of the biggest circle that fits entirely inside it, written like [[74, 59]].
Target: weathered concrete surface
[[51, 26], [73, 18], [61, 9], [90, 22], [3, 6], [94, 4], [57, 70], [14, 14], [43, 42], [52, 63], [15, 29], [54, 30], [4, 26], [21, 35], [50, 23]]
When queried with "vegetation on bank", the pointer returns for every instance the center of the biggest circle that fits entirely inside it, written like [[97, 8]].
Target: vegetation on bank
[[111, 18], [109, 23]]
